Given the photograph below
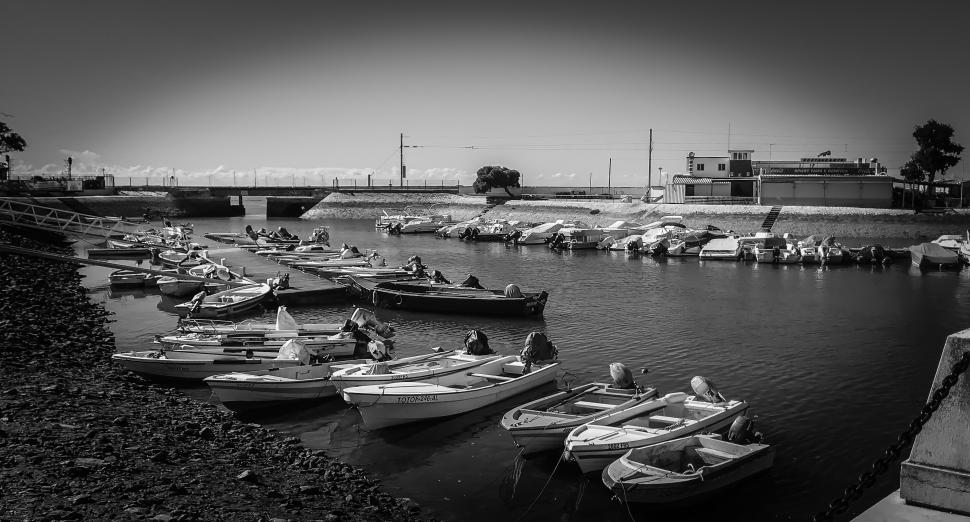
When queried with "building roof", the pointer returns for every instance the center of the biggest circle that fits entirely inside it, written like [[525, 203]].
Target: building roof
[[680, 179]]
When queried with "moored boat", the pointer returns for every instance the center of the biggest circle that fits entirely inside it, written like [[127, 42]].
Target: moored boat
[[932, 255], [543, 424], [130, 278], [397, 403], [723, 248], [444, 369], [594, 445], [684, 469], [426, 296], [226, 303], [285, 322]]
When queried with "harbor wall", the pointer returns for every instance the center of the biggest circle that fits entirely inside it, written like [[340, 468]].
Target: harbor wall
[[841, 222], [175, 204]]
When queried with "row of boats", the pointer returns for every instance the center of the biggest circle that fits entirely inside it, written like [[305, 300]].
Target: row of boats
[[669, 236], [646, 447]]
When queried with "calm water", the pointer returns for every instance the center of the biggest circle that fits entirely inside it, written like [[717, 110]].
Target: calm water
[[834, 363]]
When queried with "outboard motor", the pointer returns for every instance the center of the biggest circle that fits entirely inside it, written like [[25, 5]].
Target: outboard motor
[[706, 388], [476, 343], [742, 431], [464, 233], [537, 348], [622, 376]]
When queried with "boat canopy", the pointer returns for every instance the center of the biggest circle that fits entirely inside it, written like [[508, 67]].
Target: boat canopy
[[722, 243]]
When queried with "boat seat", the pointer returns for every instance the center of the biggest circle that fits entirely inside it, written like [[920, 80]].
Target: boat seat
[[594, 405], [491, 377], [666, 420], [716, 454]]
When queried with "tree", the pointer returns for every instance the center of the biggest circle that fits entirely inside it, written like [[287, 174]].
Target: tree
[[910, 171], [10, 141], [490, 177], [937, 152]]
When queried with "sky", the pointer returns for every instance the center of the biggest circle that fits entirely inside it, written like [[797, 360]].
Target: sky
[[302, 92]]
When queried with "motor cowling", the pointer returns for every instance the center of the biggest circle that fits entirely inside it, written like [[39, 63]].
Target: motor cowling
[[742, 431]]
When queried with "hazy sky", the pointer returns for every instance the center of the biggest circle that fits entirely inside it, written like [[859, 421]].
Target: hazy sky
[[554, 89]]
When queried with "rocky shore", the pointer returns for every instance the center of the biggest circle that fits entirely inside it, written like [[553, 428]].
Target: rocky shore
[[81, 439]]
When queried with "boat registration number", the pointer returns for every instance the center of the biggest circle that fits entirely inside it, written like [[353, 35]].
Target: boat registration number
[[417, 398], [618, 445]]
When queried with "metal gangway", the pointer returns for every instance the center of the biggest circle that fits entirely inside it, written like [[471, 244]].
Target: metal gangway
[[57, 220]]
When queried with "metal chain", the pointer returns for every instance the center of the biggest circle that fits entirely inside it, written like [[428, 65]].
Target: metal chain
[[905, 439]]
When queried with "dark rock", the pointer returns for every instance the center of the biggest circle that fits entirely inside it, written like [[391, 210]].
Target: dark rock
[[81, 499], [207, 433]]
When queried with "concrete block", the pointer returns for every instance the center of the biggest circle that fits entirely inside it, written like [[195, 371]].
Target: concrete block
[[937, 473]]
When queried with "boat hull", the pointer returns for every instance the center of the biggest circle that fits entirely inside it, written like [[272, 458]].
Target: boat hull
[[635, 482], [593, 457], [403, 403], [174, 367]]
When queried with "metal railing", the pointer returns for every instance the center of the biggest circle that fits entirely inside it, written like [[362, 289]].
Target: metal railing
[[720, 200], [46, 218]]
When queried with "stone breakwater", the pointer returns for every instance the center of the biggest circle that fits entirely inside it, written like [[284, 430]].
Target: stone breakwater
[[82, 439]]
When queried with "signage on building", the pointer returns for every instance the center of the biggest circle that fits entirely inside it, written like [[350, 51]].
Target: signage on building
[[834, 171], [822, 160]]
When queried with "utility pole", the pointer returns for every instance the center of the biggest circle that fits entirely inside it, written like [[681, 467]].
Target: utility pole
[[402, 159], [649, 164], [609, 179]]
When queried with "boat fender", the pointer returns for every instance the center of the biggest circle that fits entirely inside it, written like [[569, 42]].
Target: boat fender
[[675, 397], [474, 233], [622, 376], [513, 290]]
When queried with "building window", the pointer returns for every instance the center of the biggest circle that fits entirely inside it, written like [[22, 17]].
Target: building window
[[720, 166], [700, 167]]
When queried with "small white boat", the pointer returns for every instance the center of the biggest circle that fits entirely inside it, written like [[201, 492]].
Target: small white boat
[[285, 322], [131, 278], [444, 369], [776, 250], [543, 424], [684, 469], [200, 363], [226, 303], [723, 248], [593, 446], [291, 383], [537, 235], [403, 402]]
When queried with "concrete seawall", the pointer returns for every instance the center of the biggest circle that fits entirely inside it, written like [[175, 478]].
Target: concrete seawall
[[156, 203]]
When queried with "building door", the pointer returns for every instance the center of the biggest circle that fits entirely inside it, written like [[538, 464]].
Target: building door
[[742, 188]]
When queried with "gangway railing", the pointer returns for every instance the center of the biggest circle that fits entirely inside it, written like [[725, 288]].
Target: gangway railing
[[53, 219]]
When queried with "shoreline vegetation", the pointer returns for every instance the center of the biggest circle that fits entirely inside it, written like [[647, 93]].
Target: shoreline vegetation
[[84, 439], [841, 222]]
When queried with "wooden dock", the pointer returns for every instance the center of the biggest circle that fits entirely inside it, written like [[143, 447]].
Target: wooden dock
[[305, 288]]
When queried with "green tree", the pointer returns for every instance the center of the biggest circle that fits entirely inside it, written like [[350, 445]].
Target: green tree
[[490, 177], [937, 152], [10, 141], [910, 171]]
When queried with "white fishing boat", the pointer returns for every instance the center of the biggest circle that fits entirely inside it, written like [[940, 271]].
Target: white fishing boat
[[285, 323], [576, 238], [226, 303], [593, 446], [339, 345], [198, 364], [543, 424], [776, 250], [684, 469], [443, 369], [537, 235], [404, 402]]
